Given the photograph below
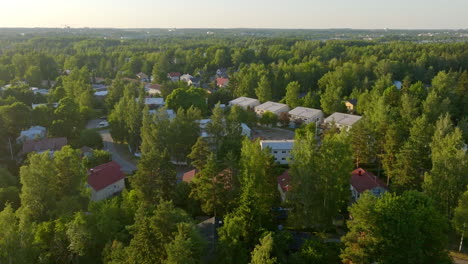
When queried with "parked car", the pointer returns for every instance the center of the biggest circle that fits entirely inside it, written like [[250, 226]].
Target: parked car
[[103, 124]]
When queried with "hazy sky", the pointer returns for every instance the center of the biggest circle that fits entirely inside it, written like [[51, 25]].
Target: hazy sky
[[402, 14]]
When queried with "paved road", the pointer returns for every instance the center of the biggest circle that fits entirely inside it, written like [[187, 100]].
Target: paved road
[[127, 166], [460, 261]]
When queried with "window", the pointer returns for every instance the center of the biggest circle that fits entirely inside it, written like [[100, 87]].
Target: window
[[283, 158], [275, 151], [284, 151]]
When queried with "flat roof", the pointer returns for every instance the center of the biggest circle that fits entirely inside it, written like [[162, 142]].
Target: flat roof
[[244, 101], [270, 106], [154, 101], [277, 144], [343, 119], [305, 112]]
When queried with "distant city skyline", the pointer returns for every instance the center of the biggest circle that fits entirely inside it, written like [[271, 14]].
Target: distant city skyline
[[294, 14]]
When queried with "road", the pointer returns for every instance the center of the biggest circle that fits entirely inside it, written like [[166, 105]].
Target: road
[[127, 165]]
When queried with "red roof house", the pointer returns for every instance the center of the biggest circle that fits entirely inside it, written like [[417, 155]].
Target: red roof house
[[222, 82], [189, 175], [105, 180], [362, 181]]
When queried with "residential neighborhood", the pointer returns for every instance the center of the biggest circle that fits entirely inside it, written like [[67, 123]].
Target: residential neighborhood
[[236, 146]]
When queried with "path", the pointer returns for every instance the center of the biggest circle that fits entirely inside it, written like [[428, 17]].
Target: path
[[127, 165]]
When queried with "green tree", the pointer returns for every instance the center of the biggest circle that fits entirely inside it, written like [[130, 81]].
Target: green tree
[[263, 91], [460, 217], [200, 153], [396, 229], [185, 98], [262, 254], [155, 178], [186, 247], [448, 177], [292, 94], [319, 179], [91, 138]]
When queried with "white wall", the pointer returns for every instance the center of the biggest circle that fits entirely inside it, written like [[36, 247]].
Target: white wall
[[108, 191]]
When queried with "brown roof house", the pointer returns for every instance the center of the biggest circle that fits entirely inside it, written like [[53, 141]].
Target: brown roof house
[[44, 144], [362, 181], [105, 180]]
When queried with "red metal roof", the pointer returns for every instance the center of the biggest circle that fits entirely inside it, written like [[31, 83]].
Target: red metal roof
[[283, 181], [189, 175], [221, 81], [363, 180], [174, 74], [104, 175]]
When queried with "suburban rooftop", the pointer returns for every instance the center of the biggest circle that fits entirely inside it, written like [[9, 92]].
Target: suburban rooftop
[[304, 112], [342, 119], [277, 144], [270, 106]]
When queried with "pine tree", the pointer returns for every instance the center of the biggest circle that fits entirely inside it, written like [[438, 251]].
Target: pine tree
[[262, 254]]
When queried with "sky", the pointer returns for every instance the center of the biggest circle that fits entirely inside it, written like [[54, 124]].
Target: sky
[[307, 14]]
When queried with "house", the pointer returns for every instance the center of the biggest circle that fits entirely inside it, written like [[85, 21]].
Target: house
[[280, 149], [222, 73], [105, 180], [101, 94], [47, 83], [54, 105], [189, 175], [222, 82], [99, 87], [154, 102], [275, 108], [245, 102], [194, 81], [246, 131], [351, 105], [362, 181], [153, 89], [398, 84], [36, 90], [142, 77], [34, 132], [342, 121], [283, 184], [45, 144], [165, 113], [99, 80], [306, 115], [186, 77], [174, 76]]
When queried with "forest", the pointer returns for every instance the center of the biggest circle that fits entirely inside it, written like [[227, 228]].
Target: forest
[[413, 135]]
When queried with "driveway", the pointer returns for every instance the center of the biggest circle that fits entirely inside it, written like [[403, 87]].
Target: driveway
[[128, 166]]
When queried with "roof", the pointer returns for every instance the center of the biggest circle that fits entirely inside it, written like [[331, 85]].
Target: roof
[[104, 175], [101, 93], [352, 101], [189, 175], [154, 101], [271, 107], [86, 149], [342, 119], [244, 101], [186, 77], [153, 86], [363, 180], [40, 145], [277, 144], [142, 75], [283, 181], [222, 81], [174, 74], [305, 112]]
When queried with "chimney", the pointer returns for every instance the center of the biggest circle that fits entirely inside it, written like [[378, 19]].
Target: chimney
[[359, 172]]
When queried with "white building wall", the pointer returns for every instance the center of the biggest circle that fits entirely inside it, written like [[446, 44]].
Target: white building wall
[[108, 191], [282, 156]]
